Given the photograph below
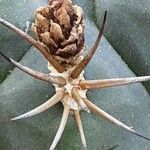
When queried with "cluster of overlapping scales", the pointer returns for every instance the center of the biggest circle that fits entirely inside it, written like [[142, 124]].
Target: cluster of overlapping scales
[[59, 30], [59, 26]]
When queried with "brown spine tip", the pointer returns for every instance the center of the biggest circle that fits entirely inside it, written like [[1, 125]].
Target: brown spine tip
[[76, 72], [39, 75]]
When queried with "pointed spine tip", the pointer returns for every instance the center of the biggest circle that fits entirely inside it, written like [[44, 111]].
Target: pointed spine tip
[[43, 107], [7, 58], [144, 137], [15, 119], [76, 72]]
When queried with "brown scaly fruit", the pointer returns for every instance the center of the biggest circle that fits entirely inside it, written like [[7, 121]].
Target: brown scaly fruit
[[59, 30], [59, 26]]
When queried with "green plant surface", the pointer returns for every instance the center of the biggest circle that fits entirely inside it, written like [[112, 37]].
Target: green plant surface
[[20, 93]]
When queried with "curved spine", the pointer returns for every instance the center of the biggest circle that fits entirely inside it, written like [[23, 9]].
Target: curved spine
[[61, 127], [80, 127], [40, 47], [51, 102], [76, 72], [39, 75], [111, 119]]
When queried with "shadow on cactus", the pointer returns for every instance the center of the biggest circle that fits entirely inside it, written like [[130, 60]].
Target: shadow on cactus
[[60, 38]]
